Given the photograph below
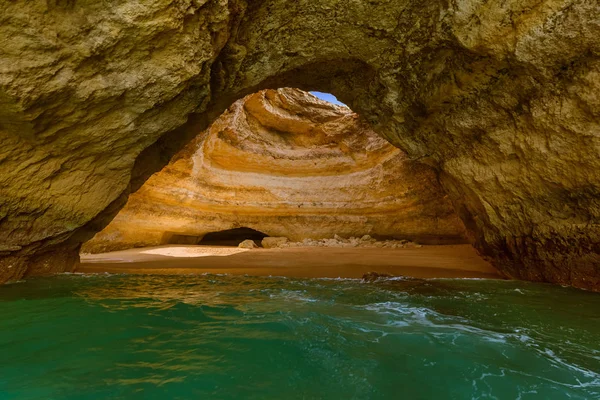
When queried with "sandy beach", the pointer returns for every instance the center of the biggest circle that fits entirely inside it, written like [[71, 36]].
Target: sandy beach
[[449, 261]]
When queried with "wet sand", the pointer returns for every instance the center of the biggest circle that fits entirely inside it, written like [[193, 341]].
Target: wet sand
[[450, 261]]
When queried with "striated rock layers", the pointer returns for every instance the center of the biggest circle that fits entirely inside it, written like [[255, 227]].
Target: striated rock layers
[[500, 97], [286, 164]]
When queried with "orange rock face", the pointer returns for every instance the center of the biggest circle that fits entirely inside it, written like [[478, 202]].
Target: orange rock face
[[287, 164]]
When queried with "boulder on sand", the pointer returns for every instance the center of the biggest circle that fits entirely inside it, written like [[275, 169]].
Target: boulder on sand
[[248, 244]]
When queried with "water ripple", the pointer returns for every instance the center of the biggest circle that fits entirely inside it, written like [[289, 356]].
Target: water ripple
[[230, 337]]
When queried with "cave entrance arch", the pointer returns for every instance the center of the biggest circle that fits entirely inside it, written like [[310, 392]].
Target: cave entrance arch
[[232, 237], [294, 165], [450, 92]]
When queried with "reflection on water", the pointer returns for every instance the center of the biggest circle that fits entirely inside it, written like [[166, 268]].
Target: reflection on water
[[231, 337]]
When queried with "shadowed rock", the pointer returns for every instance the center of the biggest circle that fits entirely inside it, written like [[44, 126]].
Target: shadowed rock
[[374, 276]]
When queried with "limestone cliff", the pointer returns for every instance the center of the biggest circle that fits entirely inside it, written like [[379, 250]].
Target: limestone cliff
[[500, 97], [287, 164]]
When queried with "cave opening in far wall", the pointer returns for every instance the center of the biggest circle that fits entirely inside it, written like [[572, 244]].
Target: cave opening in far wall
[[232, 237]]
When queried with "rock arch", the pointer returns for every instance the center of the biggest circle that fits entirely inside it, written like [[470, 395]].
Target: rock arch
[[501, 98], [287, 164]]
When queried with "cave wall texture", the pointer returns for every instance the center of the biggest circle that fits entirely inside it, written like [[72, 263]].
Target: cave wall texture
[[500, 97], [285, 163]]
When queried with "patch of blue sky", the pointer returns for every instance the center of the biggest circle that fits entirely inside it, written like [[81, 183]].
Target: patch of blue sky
[[328, 97]]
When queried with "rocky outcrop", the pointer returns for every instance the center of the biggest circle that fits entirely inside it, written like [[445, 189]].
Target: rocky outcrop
[[371, 277], [286, 164], [338, 241], [274, 242], [499, 97], [248, 244]]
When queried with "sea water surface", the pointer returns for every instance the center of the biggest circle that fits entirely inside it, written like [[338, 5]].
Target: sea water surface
[[238, 337]]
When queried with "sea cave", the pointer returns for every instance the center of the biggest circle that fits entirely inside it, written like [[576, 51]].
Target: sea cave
[[308, 199]]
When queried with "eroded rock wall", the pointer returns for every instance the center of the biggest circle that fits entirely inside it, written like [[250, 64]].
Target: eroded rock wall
[[499, 97], [85, 87], [286, 164]]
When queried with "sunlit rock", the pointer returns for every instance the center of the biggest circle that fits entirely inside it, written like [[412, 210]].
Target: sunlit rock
[[271, 242], [248, 244], [289, 165]]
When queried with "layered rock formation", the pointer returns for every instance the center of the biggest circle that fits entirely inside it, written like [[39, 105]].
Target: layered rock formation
[[286, 164], [499, 97]]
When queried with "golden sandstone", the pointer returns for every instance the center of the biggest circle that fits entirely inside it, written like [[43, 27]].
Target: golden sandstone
[[500, 98]]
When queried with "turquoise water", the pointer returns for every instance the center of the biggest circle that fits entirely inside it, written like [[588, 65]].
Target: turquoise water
[[225, 337]]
